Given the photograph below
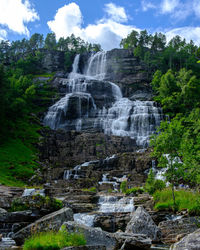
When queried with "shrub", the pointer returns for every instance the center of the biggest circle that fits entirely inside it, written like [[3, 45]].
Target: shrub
[[53, 240], [135, 190], [123, 187]]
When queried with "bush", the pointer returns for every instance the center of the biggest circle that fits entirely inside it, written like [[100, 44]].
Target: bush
[[185, 200], [123, 187], [53, 240], [36, 202], [135, 190]]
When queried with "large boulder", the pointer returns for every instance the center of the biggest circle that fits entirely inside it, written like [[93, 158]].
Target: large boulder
[[189, 242], [93, 236], [129, 241], [142, 223], [51, 221], [97, 237]]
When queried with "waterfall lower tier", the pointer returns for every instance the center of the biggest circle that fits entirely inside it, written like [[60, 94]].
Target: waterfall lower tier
[[94, 104]]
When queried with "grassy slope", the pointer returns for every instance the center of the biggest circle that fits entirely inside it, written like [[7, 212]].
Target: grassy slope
[[18, 155]]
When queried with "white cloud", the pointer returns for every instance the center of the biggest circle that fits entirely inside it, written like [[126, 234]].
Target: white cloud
[[147, 5], [116, 13], [189, 33], [168, 6], [15, 14], [107, 31], [67, 20]]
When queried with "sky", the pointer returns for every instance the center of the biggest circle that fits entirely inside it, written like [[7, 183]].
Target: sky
[[99, 21]]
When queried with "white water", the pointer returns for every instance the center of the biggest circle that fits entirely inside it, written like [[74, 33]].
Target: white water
[[123, 117], [33, 191], [114, 204], [85, 219]]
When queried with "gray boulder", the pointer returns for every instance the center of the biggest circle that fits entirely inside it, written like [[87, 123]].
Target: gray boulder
[[111, 241], [51, 221], [142, 223], [93, 236], [129, 241], [189, 242]]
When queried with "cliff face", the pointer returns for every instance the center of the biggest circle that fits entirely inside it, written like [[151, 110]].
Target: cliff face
[[127, 71]]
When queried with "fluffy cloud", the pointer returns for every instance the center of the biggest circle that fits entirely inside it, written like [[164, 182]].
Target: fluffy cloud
[[67, 20], [15, 14], [116, 13], [107, 31], [189, 33]]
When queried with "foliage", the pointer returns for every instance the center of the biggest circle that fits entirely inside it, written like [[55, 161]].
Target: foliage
[[152, 185], [36, 202], [92, 189], [53, 240], [123, 186], [185, 200], [159, 55], [135, 190]]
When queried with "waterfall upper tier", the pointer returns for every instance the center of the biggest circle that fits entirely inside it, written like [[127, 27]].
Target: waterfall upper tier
[[93, 104]]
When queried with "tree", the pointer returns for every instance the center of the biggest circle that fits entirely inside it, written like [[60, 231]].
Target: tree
[[50, 41], [167, 150]]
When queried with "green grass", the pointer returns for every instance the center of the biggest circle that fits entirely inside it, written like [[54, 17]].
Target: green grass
[[185, 200], [135, 190], [18, 155], [92, 189], [53, 240]]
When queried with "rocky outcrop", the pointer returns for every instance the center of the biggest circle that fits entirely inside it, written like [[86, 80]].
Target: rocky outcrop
[[142, 223], [52, 60], [8, 194], [96, 236], [51, 221], [11, 222], [61, 150], [172, 231], [189, 242]]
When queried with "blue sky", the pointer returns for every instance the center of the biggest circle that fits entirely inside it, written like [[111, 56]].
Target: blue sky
[[99, 21]]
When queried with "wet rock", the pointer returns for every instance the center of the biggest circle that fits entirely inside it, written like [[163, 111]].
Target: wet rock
[[129, 241], [189, 242], [51, 221], [171, 229], [142, 223], [2, 211]]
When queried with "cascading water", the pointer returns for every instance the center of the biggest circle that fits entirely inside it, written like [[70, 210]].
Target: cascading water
[[94, 104]]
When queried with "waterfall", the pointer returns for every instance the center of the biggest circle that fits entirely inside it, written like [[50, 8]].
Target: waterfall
[[97, 66], [114, 204], [91, 103]]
